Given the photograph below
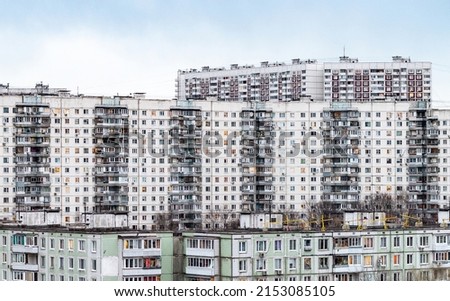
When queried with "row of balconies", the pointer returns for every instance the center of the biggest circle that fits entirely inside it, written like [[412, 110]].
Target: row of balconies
[[31, 121], [111, 123], [103, 132], [111, 199], [33, 201]]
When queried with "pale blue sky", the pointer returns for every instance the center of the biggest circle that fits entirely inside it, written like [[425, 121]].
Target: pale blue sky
[[108, 47]]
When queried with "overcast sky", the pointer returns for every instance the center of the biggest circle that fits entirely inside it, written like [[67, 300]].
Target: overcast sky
[[109, 47]]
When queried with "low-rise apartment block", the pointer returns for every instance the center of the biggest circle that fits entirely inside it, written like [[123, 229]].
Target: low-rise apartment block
[[63, 254], [377, 254]]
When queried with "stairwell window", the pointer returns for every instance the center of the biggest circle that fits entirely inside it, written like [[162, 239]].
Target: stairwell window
[[277, 245], [277, 264], [82, 264], [292, 263], [292, 244], [409, 258], [242, 247], [243, 265], [81, 245], [397, 241], [409, 241], [261, 264]]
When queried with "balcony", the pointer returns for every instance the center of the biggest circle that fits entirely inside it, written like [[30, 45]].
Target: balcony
[[31, 124], [354, 268], [25, 249], [156, 252], [201, 252], [24, 266], [441, 263], [141, 272], [201, 271]]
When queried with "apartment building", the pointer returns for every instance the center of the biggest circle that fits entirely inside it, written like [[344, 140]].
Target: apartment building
[[346, 80], [80, 254], [352, 255], [40, 253], [274, 139]]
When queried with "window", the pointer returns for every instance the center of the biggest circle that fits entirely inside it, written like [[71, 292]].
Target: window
[[367, 260], [277, 245], [61, 263], [424, 275], [409, 241], [368, 242], [52, 243], [423, 258], [81, 264], [323, 244], [354, 241], [383, 242], [292, 244], [200, 243], [261, 246], [396, 241], [409, 258], [354, 259], [70, 244], [18, 275], [242, 247], [93, 246], [409, 276], [323, 263], [260, 264], [94, 265], [441, 256], [71, 263], [396, 276], [307, 263], [277, 264], [382, 260], [242, 265], [81, 245], [292, 263], [441, 239], [52, 262], [396, 259], [307, 244], [156, 244], [423, 241]]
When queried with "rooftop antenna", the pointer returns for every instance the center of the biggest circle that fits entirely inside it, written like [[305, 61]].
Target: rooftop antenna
[[344, 50]]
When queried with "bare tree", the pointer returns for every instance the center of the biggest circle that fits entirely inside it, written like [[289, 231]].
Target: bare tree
[[392, 205], [164, 221]]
